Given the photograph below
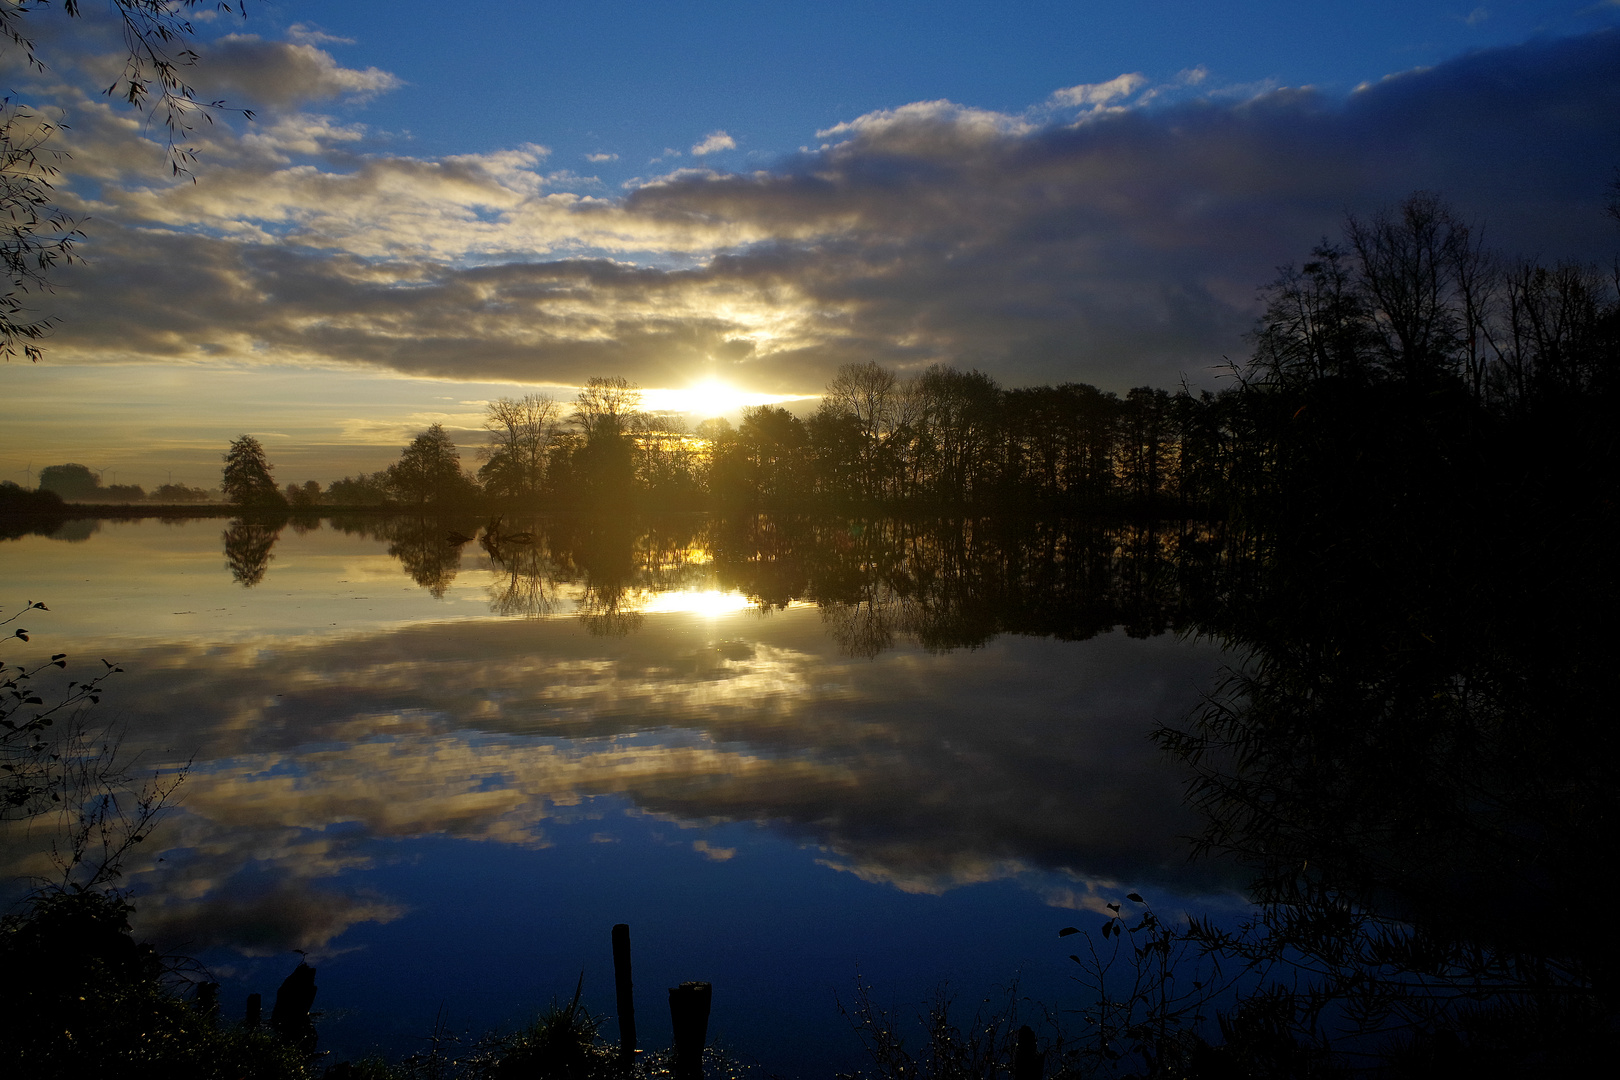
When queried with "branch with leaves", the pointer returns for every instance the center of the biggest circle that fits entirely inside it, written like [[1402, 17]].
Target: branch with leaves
[[36, 235], [54, 761]]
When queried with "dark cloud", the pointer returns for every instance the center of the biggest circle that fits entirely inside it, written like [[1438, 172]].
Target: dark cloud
[[286, 915], [1124, 248]]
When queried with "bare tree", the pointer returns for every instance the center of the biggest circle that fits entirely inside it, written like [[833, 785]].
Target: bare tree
[[521, 432], [608, 407], [1409, 262], [868, 396]]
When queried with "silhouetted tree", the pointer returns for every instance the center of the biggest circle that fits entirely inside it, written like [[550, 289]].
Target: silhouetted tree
[[521, 434], [178, 493], [71, 481], [861, 401], [247, 479], [957, 424], [429, 470], [763, 462], [368, 489], [609, 416]]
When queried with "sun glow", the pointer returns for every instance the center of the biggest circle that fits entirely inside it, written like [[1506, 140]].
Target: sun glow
[[711, 397], [707, 602]]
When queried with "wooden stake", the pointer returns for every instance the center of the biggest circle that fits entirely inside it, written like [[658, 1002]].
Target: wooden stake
[[689, 1016], [625, 989]]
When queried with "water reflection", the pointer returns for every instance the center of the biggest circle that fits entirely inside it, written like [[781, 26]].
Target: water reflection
[[525, 582], [249, 547], [922, 772], [657, 684], [943, 584]]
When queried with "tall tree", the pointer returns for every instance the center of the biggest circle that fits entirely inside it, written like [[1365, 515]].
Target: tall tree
[[521, 432], [863, 400], [429, 469], [609, 415], [71, 481], [608, 407], [247, 478]]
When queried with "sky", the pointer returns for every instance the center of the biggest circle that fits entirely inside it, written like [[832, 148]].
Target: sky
[[436, 205]]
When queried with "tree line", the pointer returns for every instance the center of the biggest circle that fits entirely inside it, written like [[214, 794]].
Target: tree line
[[1409, 300]]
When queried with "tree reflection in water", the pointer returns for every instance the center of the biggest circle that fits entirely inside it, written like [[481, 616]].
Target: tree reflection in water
[[421, 548], [249, 547], [1417, 758], [525, 580], [1410, 757]]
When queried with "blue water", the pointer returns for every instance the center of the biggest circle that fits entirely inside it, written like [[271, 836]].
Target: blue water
[[447, 810]]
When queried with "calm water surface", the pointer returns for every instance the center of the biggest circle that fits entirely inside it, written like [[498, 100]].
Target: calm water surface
[[445, 772]]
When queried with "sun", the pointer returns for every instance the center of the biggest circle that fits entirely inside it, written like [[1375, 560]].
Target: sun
[[711, 397]]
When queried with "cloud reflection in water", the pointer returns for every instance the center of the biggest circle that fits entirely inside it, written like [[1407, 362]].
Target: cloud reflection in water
[[1027, 758]]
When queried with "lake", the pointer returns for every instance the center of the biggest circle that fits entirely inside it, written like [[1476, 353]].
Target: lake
[[787, 754]]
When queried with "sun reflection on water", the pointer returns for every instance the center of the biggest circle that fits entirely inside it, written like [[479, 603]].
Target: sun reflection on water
[[708, 603]]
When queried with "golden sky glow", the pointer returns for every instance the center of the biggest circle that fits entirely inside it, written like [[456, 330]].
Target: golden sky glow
[[710, 398], [151, 424]]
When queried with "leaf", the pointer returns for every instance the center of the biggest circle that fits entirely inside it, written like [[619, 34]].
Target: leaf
[[42, 607], [1113, 907], [1135, 898], [1067, 930], [1108, 928], [22, 633], [58, 656]]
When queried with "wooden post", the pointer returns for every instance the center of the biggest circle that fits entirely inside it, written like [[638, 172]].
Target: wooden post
[[1028, 1062], [625, 990], [689, 1016], [208, 1002], [290, 1017]]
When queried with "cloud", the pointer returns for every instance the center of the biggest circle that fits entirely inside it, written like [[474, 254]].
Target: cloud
[[712, 143], [284, 917], [1121, 248], [713, 854], [598, 158], [280, 73], [1102, 93], [788, 731], [306, 34]]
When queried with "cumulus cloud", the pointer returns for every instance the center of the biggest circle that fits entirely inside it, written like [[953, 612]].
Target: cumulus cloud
[[1122, 248], [713, 142], [598, 158], [281, 73]]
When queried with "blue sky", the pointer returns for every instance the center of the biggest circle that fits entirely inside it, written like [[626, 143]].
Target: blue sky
[[439, 204], [633, 78]]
